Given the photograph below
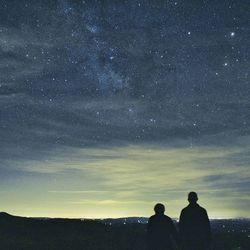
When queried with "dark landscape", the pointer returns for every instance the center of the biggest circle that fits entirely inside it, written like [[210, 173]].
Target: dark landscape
[[20, 233], [123, 108]]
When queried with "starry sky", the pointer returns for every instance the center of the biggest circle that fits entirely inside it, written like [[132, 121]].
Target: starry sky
[[107, 107]]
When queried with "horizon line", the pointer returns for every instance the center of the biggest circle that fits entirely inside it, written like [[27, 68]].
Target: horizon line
[[125, 217]]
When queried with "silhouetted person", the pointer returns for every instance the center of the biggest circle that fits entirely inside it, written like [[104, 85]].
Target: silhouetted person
[[194, 225], [161, 231]]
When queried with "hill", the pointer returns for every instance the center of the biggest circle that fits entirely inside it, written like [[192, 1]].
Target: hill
[[20, 233]]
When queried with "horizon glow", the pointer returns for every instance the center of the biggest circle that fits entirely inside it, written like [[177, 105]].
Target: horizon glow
[[109, 108]]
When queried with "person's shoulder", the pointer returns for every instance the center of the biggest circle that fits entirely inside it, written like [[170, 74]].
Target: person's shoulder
[[185, 209], [151, 217], [202, 209], [167, 218]]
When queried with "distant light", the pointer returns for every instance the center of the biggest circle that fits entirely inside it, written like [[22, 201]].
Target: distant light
[[189, 33], [232, 34]]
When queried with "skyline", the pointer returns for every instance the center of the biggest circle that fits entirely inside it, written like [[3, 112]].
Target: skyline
[[109, 108]]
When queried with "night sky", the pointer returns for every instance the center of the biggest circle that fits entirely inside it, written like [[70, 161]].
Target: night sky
[[107, 107]]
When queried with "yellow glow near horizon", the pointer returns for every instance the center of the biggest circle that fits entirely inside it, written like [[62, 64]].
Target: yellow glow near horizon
[[128, 181]]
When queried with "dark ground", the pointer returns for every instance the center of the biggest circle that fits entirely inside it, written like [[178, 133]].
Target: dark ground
[[18, 233]]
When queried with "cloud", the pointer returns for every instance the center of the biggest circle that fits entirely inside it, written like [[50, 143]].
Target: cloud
[[88, 82], [132, 175]]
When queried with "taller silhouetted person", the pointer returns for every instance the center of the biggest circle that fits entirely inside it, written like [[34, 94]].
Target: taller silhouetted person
[[161, 231], [194, 225]]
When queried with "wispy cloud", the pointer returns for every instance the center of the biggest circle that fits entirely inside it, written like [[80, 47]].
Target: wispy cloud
[[142, 174], [77, 191], [115, 108]]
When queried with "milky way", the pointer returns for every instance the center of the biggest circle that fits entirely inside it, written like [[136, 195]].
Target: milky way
[[124, 103]]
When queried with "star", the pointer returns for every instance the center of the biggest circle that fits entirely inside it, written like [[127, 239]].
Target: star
[[97, 78]]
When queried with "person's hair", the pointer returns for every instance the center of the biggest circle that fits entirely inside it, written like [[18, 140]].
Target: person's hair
[[192, 197], [159, 208]]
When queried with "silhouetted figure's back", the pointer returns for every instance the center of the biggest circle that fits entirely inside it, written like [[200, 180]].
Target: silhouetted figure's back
[[194, 225], [161, 232]]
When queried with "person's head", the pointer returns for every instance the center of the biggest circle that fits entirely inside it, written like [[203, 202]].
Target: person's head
[[159, 208], [192, 197]]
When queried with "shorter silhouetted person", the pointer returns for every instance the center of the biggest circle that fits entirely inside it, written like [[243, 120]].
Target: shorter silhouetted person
[[161, 232], [194, 225]]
